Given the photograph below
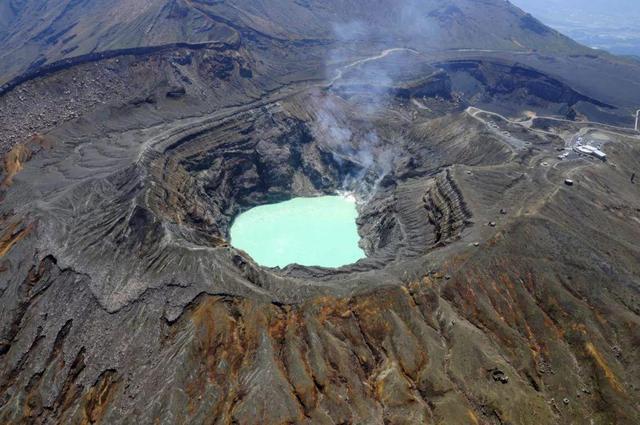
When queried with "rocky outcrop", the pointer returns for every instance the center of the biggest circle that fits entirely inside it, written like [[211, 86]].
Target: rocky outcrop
[[52, 68], [447, 210], [485, 82]]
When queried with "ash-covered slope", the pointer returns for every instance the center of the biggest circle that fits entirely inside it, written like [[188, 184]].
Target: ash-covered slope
[[493, 292], [34, 33]]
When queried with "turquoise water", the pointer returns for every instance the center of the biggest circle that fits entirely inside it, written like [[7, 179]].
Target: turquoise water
[[307, 231]]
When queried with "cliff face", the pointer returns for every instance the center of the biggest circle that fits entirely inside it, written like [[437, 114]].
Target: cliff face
[[493, 292]]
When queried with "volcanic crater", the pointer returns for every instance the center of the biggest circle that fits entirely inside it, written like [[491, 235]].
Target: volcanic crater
[[492, 290], [208, 175]]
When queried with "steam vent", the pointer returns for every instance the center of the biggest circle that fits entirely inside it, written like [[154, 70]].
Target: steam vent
[[459, 279]]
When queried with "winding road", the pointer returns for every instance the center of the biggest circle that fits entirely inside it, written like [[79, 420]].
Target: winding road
[[358, 62]]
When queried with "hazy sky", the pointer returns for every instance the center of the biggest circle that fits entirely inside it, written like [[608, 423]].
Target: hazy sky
[[612, 25], [570, 9]]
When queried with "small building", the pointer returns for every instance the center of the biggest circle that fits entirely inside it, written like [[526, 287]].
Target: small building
[[592, 151], [599, 154]]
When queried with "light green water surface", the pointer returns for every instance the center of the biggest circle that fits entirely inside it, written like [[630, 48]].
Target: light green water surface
[[318, 231]]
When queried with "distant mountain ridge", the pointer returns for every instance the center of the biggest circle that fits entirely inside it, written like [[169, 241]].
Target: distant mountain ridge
[[68, 28]]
